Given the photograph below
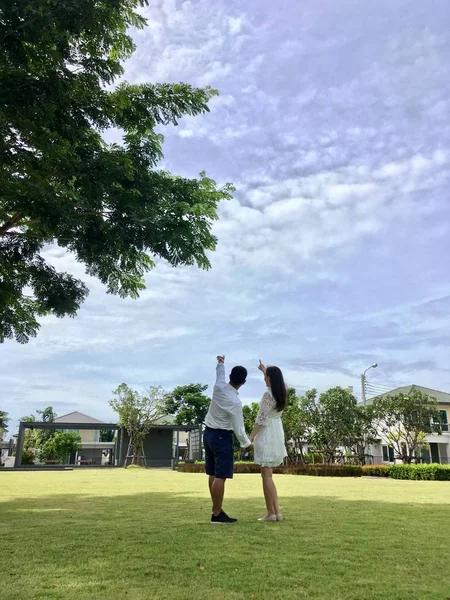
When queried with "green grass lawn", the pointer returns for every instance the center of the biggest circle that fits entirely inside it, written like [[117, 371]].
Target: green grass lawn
[[137, 534]]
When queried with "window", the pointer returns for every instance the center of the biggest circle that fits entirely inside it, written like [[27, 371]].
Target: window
[[443, 420], [388, 454], [67, 431]]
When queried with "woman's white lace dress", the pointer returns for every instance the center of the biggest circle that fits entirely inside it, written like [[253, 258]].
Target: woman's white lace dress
[[270, 449]]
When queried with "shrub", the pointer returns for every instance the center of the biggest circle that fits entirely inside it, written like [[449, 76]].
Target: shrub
[[431, 472], [313, 457], [28, 456], [376, 470], [318, 470]]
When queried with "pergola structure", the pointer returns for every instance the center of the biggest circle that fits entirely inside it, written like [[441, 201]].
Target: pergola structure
[[120, 444]]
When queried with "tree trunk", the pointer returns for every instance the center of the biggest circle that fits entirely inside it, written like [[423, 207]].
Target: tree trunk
[[136, 448]]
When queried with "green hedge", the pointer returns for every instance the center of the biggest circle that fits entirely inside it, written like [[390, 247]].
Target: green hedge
[[376, 470], [432, 472], [318, 470]]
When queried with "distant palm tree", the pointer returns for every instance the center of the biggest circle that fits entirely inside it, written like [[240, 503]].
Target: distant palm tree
[[3, 422]]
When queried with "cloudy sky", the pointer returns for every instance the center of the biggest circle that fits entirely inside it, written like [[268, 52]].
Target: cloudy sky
[[333, 124]]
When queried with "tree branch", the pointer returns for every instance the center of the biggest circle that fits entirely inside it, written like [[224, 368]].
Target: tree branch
[[31, 21], [12, 222]]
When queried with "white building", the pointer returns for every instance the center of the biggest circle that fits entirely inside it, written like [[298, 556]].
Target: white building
[[438, 450]]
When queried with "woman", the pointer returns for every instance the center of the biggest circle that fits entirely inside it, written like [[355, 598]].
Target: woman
[[268, 436]]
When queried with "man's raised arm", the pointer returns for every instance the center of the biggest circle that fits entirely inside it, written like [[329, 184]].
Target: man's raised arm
[[220, 370]]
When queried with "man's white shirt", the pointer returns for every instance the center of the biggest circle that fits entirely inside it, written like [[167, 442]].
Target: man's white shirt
[[225, 410]]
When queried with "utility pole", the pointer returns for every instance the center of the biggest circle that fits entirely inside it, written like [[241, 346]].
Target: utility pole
[[363, 382], [363, 388]]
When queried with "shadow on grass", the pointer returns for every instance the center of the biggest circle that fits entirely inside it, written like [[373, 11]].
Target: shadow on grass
[[161, 545]]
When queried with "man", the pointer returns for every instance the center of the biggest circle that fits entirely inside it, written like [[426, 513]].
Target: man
[[224, 416]]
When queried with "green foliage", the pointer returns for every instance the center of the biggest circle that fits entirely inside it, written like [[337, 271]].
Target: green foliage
[[362, 432], [61, 183], [295, 425], [250, 412], [435, 472], [313, 458], [60, 446], [4, 419], [188, 404], [30, 441], [404, 421], [106, 435], [35, 439], [28, 457], [320, 470], [428, 472], [47, 415], [138, 413], [332, 420], [376, 470]]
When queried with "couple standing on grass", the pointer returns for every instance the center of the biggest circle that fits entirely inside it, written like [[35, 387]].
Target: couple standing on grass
[[267, 438]]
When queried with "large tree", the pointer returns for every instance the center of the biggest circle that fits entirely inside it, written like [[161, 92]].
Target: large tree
[[330, 420], [362, 433], [138, 413], [295, 424], [61, 183], [188, 404], [404, 421]]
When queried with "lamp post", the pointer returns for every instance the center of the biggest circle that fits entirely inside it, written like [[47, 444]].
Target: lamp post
[[363, 381]]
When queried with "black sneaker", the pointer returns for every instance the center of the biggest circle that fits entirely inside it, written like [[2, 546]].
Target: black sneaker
[[222, 519]]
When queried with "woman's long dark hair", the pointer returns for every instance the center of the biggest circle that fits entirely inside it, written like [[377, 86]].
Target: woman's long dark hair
[[277, 386]]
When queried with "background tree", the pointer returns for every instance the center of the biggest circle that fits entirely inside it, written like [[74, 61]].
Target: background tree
[[61, 183], [35, 439], [60, 446], [138, 413], [29, 442], [295, 424], [404, 420], [330, 420], [47, 415], [4, 419], [188, 404], [250, 412], [362, 433], [107, 435]]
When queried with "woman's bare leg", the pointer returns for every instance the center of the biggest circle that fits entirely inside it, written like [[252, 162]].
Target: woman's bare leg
[[276, 508], [270, 491]]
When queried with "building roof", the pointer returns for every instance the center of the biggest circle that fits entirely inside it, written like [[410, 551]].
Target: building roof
[[166, 420], [77, 417], [441, 397]]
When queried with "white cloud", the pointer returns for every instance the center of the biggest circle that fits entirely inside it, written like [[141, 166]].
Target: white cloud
[[334, 251]]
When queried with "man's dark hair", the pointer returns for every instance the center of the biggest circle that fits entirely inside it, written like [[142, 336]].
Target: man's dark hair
[[238, 375]]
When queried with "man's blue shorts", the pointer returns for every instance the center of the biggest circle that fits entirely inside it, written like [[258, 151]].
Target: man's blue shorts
[[219, 452]]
